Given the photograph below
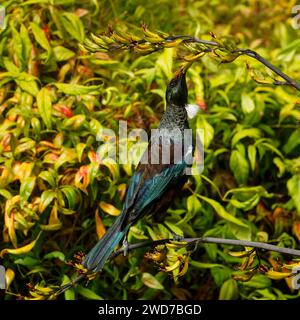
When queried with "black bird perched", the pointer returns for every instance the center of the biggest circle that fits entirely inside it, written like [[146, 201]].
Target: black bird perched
[[153, 184]]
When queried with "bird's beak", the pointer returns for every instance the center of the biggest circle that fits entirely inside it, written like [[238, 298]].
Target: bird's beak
[[177, 89], [186, 66], [180, 75]]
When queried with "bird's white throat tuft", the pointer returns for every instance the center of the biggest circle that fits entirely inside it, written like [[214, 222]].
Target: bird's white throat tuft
[[192, 110]]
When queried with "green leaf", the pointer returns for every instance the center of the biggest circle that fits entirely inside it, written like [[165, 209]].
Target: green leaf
[[74, 122], [280, 165], [247, 103], [25, 144], [212, 250], [175, 229], [21, 250], [61, 53], [18, 47], [220, 275], [221, 211], [203, 124], [252, 156], [247, 204], [55, 255], [293, 186], [95, 126], [290, 47], [40, 37], [289, 110], [79, 150], [165, 62], [46, 198], [71, 194], [5, 193], [87, 293], [27, 261], [246, 198], [29, 86], [150, 281], [269, 146], [24, 80], [69, 294], [239, 166], [26, 188], [240, 232], [44, 104], [245, 133], [193, 206], [214, 186], [26, 44], [247, 191], [73, 25], [77, 89], [204, 265], [258, 281], [293, 142], [229, 290], [48, 176], [68, 155]]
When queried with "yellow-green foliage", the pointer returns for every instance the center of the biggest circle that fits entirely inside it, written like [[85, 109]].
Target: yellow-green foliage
[[57, 196]]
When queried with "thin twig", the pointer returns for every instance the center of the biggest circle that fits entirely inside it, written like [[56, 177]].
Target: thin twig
[[248, 52], [159, 45], [259, 58], [253, 55], [254, 244], [150, 243], [69, 285]]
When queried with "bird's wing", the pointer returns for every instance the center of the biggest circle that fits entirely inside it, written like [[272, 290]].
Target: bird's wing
[[148, 184], [154, 187], [132, 191]]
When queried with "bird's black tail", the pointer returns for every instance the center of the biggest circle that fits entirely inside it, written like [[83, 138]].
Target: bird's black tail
[[97, 257]]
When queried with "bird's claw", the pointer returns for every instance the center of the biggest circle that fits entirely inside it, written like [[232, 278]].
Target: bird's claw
[[196, 245], [125, 247]]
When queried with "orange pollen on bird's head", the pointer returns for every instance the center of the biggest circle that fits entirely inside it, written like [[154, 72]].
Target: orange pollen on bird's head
[[177, 73]]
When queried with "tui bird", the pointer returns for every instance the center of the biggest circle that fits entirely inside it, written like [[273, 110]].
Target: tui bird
[[153, 184]]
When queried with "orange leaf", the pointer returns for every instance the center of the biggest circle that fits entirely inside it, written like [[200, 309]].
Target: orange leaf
[[109, 208], [65, 111], [276, 275], [9, 277], [20, 250], [82, 178], [94, 157], [100, 229], [296, 229], [22, 170], [201, 103], [9, 218], [122, 190], [54, 223]]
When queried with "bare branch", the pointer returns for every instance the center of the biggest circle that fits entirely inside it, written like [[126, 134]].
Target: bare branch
[[162, 42], [196, 241], [254, 244], [254, 55]]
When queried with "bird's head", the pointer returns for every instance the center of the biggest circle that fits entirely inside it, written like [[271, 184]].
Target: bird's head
[[177, 92]]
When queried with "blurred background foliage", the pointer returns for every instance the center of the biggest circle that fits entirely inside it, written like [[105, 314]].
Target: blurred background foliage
[[58, 196]]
